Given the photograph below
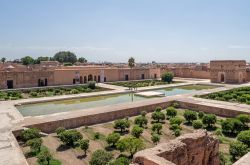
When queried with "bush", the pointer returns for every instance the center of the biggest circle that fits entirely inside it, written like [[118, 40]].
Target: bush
[[244, 137], [155, 138], [113, 138], [97, 135], [158, 116], [141, 121], [200, 114], [74, 91], [218, 132], [100, 157], [120, 161], [197, 124], [91, 85], [143, 113], [232, 126], [167, 77], [190, 116], [35, 144], [83, 144], [177, 132], [30, 133], [175, 127], [237, 149], [122, 124], [44, 157], [158, 109], [209, 120], [244, 118], [130, 144], [60, 130], [157, 127], [137, 131], [70, 137], [175, 120], [33, 94], [171, 112]]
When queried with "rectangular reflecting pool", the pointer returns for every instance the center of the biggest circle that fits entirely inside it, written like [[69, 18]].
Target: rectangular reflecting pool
[[98, 101]]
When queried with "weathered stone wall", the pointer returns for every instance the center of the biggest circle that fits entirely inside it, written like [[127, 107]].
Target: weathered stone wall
[[228, 71], [188, 73], [74, 75], [110, 113], [25, 79], [83, 118], [208, 108], [248, 74], [197, 148]]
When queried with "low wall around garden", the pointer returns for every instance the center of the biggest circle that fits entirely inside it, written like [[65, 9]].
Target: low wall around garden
[[49, 123], [220, 110]]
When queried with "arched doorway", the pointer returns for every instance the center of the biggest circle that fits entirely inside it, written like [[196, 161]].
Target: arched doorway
[[90, 77], [241, 79], [81, 80], [222, 78]]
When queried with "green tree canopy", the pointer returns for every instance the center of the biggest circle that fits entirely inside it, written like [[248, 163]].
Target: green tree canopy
[[39, 59], [113, 138], [82, 60], [137, 131], [244, 137], [131, 62], [232, 126], [155, 138], [120, 161], [35, 144], [237, 149], [157, 128], [44, 156], [209, 120], [3, 60], [190, 116], [197, 124], [70, 137], [171, 112], [29, 134], [158, 115], [130, 144], [83, 144], [27, 60], [122, 124], [244, 118], [100, 157], [141, 121], [65, 56], [167, 77]]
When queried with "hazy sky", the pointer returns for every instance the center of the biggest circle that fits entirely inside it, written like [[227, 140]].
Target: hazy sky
[[113, 30]]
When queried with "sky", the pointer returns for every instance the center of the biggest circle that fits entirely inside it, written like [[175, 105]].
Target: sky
[[114, 30]]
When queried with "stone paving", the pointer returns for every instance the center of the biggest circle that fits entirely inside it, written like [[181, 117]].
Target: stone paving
[[10, 118], [245, 160]]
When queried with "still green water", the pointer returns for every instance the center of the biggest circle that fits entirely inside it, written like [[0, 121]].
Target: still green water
[[98, 101]]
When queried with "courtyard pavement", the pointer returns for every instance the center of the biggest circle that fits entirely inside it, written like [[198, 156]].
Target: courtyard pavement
[[10, 118]]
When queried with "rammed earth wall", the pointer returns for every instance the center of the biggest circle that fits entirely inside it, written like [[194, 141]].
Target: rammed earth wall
[[197, 148]]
